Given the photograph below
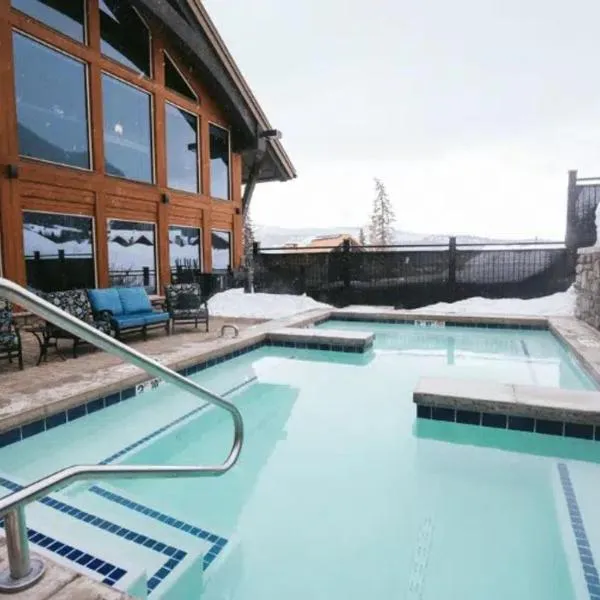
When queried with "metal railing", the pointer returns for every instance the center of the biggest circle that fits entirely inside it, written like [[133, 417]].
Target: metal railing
[[22, 571]]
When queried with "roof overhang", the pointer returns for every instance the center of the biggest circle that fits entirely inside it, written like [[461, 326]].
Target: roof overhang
[[200, 42]]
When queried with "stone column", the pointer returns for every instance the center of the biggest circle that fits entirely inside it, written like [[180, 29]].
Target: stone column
[[587, 286]]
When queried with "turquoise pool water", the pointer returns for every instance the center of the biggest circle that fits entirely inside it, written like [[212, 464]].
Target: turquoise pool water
[[340, 492]]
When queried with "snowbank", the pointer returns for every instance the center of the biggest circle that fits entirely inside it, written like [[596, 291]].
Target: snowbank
[[234, 303], [561, 304]]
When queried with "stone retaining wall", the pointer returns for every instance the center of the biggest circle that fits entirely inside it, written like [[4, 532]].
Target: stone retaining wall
[[587, 286]]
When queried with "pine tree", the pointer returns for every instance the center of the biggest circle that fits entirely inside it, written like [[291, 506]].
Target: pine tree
[[381, 230], [249, 239], [362, 238]]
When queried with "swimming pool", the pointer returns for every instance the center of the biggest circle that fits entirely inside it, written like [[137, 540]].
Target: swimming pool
[[340, 491]]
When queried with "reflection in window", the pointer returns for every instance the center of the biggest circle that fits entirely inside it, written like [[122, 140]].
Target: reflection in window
[[124, 37], [67, 16], [175, 81], [51, 104], [182, 149], [219, 162], [221, 250], [127, 133], [131, 254], [185, 251], [59, 251]]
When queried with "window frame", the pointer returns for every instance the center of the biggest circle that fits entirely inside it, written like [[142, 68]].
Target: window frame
[[230, 267], [198, 150], [151, 120], [88, 112], [229, 186], [156, 252], [200, 245], [148, 77], [66, 214], [86, 23]]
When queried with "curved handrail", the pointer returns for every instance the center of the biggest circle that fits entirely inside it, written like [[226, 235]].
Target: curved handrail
[[19, 295]]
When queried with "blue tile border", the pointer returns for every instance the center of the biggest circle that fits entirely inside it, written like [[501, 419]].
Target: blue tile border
[[586, 556], [218, 542], [173, 555], [111, 573], [512, 422], [447, 321]]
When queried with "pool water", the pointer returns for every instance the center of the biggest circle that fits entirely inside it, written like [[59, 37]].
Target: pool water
[[340, 493]]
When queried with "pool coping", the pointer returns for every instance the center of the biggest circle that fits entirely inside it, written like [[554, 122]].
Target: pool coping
[[578, 337]]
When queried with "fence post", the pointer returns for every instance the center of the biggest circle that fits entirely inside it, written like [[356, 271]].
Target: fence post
[[571, 232], [146, 276], [452, 269], [255, 248], [346, 263]]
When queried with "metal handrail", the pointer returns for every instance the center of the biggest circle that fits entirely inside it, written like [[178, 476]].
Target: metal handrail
[[23, 572]]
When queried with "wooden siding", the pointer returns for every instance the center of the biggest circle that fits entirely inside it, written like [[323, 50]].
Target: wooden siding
[[51, 188]]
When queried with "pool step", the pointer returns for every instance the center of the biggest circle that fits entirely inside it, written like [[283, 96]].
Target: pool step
[[322, 339], [121, 542]]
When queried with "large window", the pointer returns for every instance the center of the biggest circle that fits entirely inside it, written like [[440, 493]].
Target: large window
[[185, 252], [132, 254], [59, 251], [66, 16], [219, 162], [221, 250], [51, 103], [182, 149], [124, 36], [127, 130]]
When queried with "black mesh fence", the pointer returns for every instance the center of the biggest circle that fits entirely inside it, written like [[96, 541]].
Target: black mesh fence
[[405, 276]]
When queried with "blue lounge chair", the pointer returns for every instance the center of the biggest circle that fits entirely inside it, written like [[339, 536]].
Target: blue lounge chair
[[128, 309]]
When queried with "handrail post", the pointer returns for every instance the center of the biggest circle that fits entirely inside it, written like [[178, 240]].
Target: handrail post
[[22, 571]]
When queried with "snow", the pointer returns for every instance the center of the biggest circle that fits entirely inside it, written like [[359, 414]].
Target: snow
[[559, 304], [235, 303]]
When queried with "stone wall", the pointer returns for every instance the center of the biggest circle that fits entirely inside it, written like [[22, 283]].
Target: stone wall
[[587, 286]]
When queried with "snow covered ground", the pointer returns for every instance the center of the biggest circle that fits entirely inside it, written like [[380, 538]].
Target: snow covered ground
[[560, 304], [234, 303]]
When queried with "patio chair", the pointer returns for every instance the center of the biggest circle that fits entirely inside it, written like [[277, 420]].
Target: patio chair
[[185, 304], [10, 338], [77, 304]]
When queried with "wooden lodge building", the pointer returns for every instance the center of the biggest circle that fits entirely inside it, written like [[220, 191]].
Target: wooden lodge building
[[126, 136]]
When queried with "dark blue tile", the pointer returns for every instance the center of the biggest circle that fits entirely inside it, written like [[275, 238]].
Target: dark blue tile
[[171, 564], [95, 564], [179, 555], [162, 573], [468, 417], [549, 427], [76, 412], [65, 550], [84, 559], [520, 423], [105, 569], [74, 555], [440, 413], [423, 412], [10, 437], [494, 420], [578, 430], [117, 574], [56, 420], [95, 405], [55, 545], [127, 393], [112, 399], [153, 583], [169, 551], [33, 428]]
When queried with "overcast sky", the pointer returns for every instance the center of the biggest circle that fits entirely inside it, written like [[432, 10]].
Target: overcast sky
[[470, 111]]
